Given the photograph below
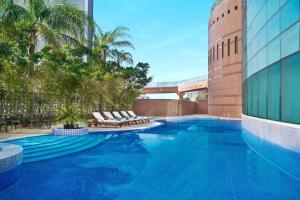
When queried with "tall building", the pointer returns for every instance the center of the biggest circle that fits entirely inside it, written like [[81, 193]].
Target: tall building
[[271, 87], [225, 58]]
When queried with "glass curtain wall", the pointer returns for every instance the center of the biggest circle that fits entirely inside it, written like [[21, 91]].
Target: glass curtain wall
[[271, 87]]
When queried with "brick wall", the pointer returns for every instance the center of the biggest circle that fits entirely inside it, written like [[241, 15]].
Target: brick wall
[[168, 107], [201, 107]]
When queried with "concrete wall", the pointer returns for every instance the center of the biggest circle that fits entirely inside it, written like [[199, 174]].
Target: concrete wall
[[225, 72], [168, 107]]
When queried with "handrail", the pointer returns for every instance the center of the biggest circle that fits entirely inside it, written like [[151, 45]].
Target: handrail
[[177, 83]]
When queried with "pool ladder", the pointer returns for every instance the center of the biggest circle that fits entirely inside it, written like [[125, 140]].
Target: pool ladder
[[225, 119]]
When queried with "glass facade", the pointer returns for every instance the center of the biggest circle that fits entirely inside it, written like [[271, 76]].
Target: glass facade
[[271, 86]]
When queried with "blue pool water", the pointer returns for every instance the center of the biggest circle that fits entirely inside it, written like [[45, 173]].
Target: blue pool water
[[181, 160]]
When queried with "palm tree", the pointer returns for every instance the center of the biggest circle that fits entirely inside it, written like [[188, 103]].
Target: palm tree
[[107, 42], [53, 23], [121, 57]]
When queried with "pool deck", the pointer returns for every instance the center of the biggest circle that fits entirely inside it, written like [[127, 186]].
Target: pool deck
[[27, 132]]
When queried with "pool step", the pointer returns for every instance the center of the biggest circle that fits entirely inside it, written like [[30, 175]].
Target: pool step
[[50, 144], [70, 146], [34, 141], [53, 146]]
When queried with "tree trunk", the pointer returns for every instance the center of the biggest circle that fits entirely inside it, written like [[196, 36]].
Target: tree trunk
[[32, 47]]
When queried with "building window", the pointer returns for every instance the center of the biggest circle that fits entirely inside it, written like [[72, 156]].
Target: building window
[[213, 53], [236, 45], [236, 7], [217, 51], [228, 11], [222, 49], [222, 14], [228, 50], [214, 22]]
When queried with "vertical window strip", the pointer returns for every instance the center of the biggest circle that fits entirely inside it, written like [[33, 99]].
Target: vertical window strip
[[217, 51], [236, 45], [228, 50], [222, 49]]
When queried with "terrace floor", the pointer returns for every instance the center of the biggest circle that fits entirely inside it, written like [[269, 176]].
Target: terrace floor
[[25, 132]]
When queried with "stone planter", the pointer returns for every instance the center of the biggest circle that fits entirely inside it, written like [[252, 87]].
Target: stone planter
[[70, 132]]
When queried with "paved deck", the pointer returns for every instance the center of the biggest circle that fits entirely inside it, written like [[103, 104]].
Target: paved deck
[[25, 132]]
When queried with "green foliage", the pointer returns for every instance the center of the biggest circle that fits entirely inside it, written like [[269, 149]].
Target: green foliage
[[64, 72], [137, 76], [69, 114], [53, 23], [201, 97], [187, 99]]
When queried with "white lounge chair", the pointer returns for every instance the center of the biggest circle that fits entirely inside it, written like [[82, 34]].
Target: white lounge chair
[[125, 114], [111, 117], [99, 120], [131, 119], [146, 118]]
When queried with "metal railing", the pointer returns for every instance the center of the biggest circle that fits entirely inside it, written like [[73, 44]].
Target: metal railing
[[177, 83], [162, 84], [198, 79]]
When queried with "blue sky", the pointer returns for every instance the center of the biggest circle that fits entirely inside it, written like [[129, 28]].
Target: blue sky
[[171, 35]]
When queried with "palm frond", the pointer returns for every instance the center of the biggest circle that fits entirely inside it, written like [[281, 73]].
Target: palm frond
[[11, 13], [124, 43], [36, 7], [69, 20], [65, 38], [121, 57], [49, 35]]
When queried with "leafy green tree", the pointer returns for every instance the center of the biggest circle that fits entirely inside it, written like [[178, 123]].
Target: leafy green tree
[[106, 43], [202, 96], [53, 23], [117, 95], [71, 75], [137, 77], [121, 57]]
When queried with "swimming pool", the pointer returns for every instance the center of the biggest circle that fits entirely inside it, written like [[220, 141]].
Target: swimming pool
[[183, 159]]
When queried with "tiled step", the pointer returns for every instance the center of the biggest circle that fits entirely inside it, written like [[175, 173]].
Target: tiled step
[[79, 144], [54, 146], [33, 141], [49, 144]]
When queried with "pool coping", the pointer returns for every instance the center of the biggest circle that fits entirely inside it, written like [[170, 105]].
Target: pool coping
[[11, 155], [135, 128], [151, 125], [175, 118]]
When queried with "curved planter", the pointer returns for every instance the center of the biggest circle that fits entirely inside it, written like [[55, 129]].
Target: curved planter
[[70, 132], [11, 158]]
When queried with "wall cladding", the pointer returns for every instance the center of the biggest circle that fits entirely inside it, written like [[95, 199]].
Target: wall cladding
[[225, 50], [283, 134], [168, 107]]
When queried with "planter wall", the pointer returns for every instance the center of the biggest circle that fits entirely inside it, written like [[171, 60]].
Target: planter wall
[[70, 132]]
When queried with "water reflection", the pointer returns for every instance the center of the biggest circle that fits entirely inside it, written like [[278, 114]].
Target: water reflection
[[285, 160]]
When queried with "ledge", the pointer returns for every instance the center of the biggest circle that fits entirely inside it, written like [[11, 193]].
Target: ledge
[[283, 134], [70, 132], [10, 156], [127, 128]]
